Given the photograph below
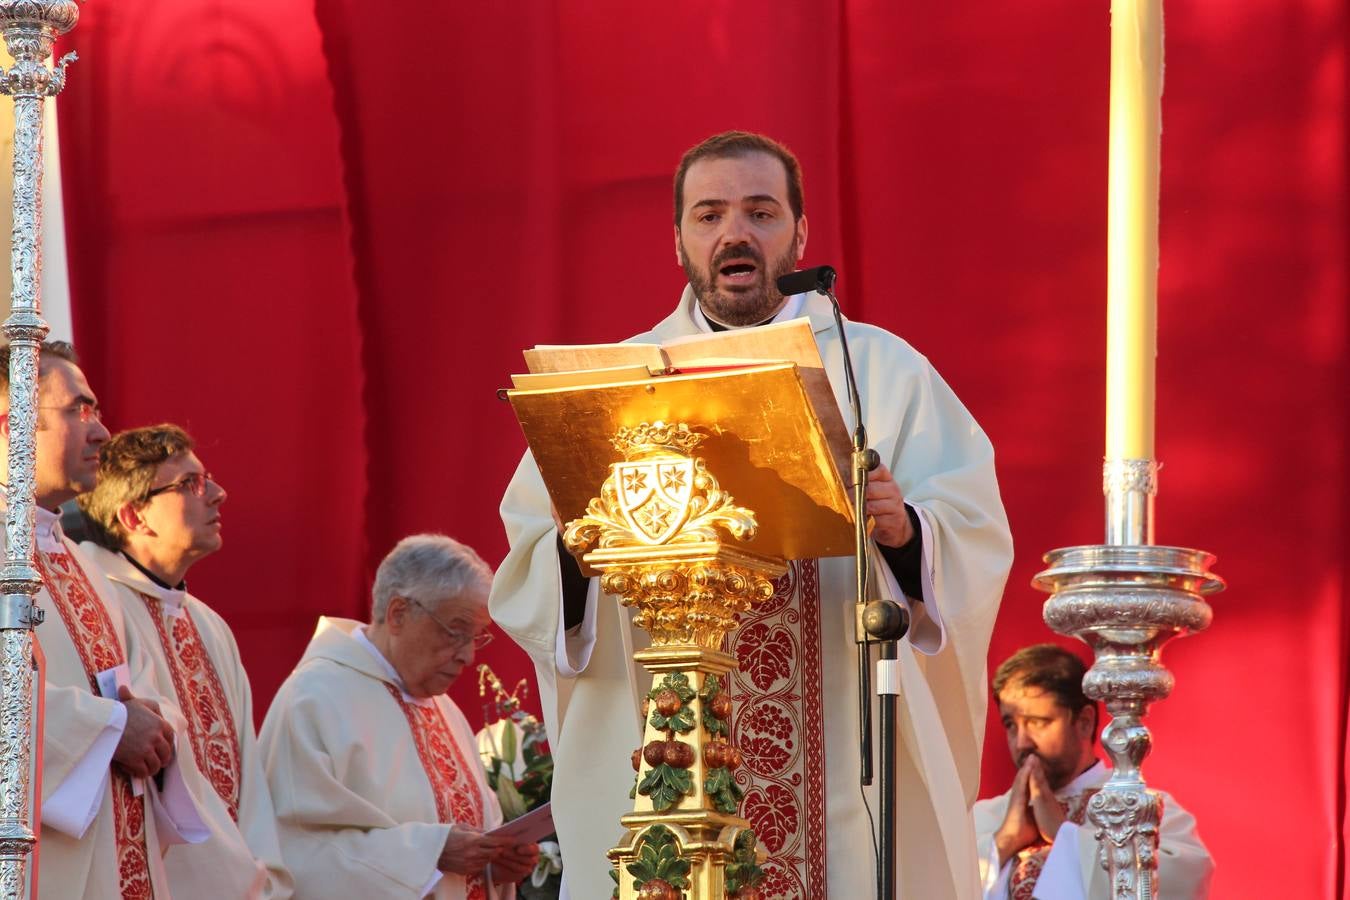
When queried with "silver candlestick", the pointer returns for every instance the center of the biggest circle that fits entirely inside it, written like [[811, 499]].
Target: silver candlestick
[[29, 28], [1127, 598]]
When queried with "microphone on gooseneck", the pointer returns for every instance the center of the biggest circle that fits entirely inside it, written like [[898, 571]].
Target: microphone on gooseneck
[[820, 278]]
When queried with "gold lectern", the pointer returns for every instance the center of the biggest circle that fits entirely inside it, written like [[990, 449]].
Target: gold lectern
[[725, 474]]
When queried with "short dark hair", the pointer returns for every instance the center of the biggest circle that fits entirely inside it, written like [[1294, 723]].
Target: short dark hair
[[47, 349], [126, 468], [1050, 668], [730, 144]]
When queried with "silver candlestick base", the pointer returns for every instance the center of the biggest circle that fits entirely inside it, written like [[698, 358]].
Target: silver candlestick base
[[1126, 602]]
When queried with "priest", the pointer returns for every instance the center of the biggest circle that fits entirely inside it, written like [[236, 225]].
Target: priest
[[940, 547], [155, 513], [374, 770], [1034, 841], [104, 733]]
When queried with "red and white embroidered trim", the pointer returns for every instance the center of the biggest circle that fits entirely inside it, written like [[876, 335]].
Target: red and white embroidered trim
[[457, 797], [778, 722], [201, 696], [91, 631]]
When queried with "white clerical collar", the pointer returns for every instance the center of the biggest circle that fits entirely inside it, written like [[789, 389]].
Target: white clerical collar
[[791, 310], [47, 532], [1093, 777], [359, 634], [138, 578]]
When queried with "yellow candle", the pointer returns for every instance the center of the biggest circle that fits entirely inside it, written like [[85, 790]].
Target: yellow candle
[[1132, 226]]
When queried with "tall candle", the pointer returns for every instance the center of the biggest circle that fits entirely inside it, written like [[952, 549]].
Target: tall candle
[[1132, 226]]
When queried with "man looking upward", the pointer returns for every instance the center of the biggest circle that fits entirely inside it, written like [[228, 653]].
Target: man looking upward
[[155, 513], [940, 547], [1031, 839], [98, 836]]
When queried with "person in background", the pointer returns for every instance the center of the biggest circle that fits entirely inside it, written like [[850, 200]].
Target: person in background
[[154, 514]]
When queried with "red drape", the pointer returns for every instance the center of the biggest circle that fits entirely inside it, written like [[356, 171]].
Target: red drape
[[320, 235]]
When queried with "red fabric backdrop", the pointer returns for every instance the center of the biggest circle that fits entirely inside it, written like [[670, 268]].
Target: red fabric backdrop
[[320, 238]]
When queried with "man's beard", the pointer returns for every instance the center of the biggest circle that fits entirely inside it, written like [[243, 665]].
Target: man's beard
[[750, 306]]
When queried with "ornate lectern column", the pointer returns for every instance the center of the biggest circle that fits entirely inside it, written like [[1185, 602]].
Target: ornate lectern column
[[659, 530], [29, 28]]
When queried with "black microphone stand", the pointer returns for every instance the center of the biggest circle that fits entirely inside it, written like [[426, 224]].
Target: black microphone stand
[[881, 622]]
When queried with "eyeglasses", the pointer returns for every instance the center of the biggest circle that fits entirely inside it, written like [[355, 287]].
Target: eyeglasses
[[458, 638], [88, 410], [193, 483]]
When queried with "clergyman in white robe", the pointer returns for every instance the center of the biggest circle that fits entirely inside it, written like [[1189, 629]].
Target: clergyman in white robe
[[195, 657], [367, 780], [1068, 869], [99, 839], [795, 714]]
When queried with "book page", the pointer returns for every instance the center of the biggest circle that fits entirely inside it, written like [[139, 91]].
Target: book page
[[538, 381], [790, 341], [575, 357]]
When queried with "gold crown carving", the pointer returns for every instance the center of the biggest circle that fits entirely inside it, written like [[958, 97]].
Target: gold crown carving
[[646, 438]]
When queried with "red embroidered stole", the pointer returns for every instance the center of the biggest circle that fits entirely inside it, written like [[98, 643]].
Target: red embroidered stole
[[778, 722], [1030, 860], [201, 696], [457, 797], [91, 631]]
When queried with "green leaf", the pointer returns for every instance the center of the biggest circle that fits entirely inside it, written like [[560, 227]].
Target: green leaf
[[683, 721], [665, 785]]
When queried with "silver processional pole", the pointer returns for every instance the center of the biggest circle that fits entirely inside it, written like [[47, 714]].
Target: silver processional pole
[[1128, 597], [29, 28]]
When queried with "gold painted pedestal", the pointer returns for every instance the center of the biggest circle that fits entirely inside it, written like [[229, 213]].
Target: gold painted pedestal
[[658, 527]]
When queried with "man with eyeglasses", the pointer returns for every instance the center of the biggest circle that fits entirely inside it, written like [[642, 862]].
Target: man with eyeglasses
[[104, 736], [154, 514], [374, 771]]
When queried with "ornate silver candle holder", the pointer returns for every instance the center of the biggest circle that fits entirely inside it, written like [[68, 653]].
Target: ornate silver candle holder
[[1126, 599]]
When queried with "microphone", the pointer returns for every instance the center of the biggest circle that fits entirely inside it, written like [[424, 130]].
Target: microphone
[[821, 279]]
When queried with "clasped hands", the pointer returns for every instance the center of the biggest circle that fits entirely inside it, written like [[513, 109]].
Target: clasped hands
[[468, 851], [146, 745], [1033, 811]]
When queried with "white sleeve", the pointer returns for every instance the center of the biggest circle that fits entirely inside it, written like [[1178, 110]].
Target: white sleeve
[[72, 807], [1061, 878], [573, 652], [994, 880], [926, 631]]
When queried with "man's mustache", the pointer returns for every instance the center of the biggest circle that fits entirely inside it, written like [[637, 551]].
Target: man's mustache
[[745, 251]]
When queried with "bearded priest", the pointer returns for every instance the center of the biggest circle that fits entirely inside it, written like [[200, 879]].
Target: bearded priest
[[374, 771], [104, 736], [155, 513]]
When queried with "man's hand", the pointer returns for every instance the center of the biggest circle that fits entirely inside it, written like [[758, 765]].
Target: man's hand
[[1019, 828], [887, 508], [1047, 810], [147, 741], [468, 851], [514, 863]]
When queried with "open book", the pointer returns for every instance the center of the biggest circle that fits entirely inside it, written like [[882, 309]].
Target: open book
[[583, 364], [777, 439]]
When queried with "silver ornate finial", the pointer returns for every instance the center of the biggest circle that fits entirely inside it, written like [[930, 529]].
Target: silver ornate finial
[[29, 29]]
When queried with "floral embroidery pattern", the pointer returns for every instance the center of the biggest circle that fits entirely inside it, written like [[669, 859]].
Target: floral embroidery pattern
[[92, 633], [457, 798], [778, 722], [201, 696]]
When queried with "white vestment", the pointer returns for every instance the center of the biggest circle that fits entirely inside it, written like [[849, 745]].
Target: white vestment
[[98, 839], [196, 661], [803, 796], [368, 781], [1070, 870]]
